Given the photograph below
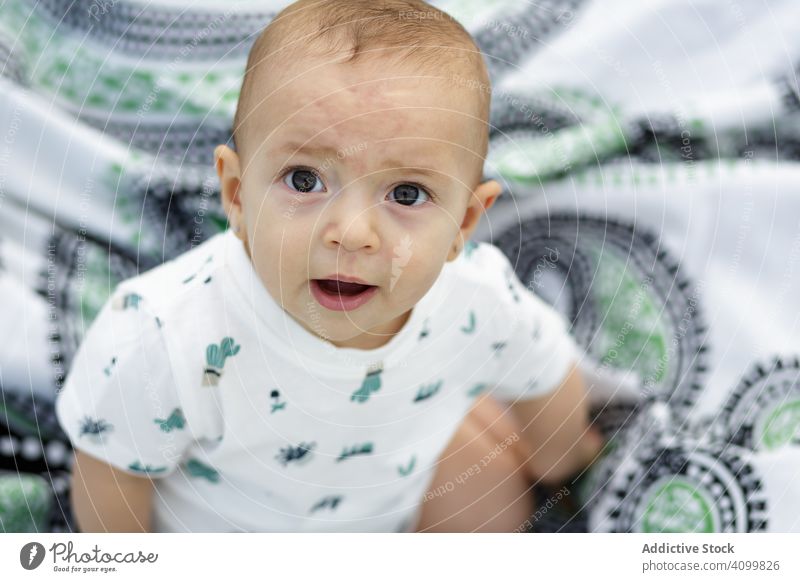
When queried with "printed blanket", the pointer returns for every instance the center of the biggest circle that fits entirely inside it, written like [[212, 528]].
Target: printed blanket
[[649, 154]]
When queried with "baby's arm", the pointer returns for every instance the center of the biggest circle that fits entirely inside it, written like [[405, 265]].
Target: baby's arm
[[106, 499], [121, 410], [556, 431]]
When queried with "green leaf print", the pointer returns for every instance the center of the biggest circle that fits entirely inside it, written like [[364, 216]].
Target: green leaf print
[[408, 468], [371, 383], [203, 471], [107, 369], [176, 420], [477, 389], [470, 327], [362, 449], [331, 501], [147, 469], [426, 391]]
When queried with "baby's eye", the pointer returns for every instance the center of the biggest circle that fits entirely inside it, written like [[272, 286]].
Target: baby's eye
[[407, 194], [302, 180]]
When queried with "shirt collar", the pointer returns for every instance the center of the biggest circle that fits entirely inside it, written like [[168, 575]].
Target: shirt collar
[[304, 347]]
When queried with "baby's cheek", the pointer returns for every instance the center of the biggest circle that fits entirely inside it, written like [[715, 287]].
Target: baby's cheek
[[276, 219], [413, 279], [272, 205]]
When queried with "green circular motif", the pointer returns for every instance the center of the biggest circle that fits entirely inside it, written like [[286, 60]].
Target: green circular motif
[[25, 502], [678, 506], [781, 426], [633, 336]]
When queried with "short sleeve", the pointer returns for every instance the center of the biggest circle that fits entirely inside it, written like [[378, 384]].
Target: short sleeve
[[119, 402], [535, 355]]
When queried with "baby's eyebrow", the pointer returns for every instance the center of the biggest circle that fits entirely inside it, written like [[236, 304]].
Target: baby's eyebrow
[[392, 164], [296, 148], [388, 164]]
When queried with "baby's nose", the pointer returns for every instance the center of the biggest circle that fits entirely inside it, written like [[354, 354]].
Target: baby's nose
[[352, 221]]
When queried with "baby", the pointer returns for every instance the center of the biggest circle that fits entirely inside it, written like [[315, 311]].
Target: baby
[[306, 369]]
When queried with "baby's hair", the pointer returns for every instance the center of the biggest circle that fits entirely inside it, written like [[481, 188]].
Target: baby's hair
[[409, 32]]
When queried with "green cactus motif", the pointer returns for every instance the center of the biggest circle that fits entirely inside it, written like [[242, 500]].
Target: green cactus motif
[[129, 300], [107, 369], [176, 420], [477, 389], [203, 266], [132, 300], [469, 246], [146, 469], [215, 358], [198, 469], [470, 327], [427, 390], [94, 427], [404, 471], [371, 383], [362, 449], [276, 401], [512, 288], [216, 355], [425, 332], [299, 455]]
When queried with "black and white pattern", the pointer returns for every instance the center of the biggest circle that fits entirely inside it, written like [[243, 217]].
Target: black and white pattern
[[571, 99], [595, 263]]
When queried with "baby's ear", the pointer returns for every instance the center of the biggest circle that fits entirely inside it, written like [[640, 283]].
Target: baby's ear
[[481, 200], [487, 192], [226, 162]]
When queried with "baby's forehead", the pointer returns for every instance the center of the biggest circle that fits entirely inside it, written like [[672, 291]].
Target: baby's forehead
[[344, 100]]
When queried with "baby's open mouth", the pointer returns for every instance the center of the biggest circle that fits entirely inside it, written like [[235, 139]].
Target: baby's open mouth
[[335, 287], [339, 295]]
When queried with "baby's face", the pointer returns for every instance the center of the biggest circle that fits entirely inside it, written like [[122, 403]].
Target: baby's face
[[355, 178]]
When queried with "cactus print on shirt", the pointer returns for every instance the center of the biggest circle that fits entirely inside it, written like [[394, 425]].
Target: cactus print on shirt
[[194, 376]]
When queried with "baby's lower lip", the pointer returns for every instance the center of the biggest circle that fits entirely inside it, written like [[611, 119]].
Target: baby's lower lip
[[337, 302]]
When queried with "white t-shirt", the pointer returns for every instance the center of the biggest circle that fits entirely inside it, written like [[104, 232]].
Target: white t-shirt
[[194, 375]]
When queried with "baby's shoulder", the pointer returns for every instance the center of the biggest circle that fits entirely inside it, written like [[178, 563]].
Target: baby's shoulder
[[173, 283], [483, 268], [486, 277]]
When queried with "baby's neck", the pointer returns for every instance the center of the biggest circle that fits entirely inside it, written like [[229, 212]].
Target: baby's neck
[[375, 338]]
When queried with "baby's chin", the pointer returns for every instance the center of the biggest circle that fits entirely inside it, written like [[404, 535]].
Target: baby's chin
[[349, 334], [367, 327]]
